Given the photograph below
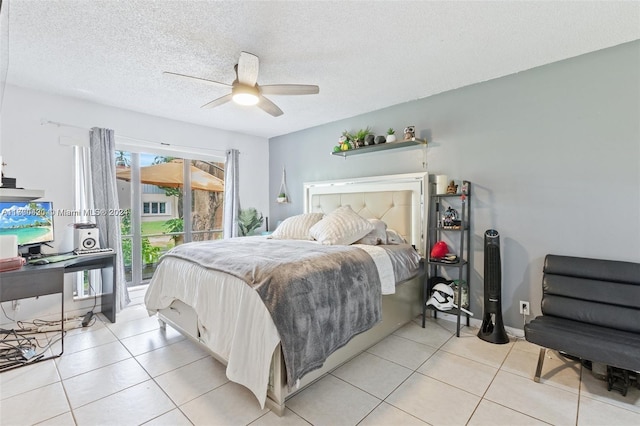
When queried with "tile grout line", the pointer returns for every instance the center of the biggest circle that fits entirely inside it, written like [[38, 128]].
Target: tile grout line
[[511, 351], [154, 381], [482, 398], [384, 400], [72, 410], [330, 373], [579, 393], [62, 380], [490, 383]]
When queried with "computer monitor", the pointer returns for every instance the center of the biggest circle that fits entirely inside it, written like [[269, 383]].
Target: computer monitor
[[30, 221]]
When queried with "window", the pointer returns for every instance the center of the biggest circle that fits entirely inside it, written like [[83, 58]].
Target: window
[[154, 207]]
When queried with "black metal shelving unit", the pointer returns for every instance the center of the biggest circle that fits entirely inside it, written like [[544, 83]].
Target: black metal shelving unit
[[459, 240]]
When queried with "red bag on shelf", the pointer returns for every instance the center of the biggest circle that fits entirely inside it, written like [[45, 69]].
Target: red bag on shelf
[[439, 250]]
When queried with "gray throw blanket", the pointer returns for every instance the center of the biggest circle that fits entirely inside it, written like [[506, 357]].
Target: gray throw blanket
[[318, 296]]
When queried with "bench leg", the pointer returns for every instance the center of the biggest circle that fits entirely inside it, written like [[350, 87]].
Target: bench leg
[[536, 378]]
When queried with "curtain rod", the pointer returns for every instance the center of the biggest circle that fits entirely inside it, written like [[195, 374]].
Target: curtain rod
[[56, 123]]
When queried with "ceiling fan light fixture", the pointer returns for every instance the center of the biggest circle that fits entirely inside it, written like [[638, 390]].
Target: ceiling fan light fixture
[[245, 89], [245, 95]]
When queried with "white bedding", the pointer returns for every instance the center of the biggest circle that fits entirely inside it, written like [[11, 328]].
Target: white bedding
[[233, 321], [384, 266]]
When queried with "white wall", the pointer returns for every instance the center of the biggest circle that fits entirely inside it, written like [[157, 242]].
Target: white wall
[[553, 155], [35, 157]]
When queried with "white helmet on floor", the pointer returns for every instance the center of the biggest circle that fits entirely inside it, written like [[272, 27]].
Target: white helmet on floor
[[441, 297]]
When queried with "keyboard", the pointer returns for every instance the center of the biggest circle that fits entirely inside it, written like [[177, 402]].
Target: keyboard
[[86, 252], [59, 258], [51, 258]]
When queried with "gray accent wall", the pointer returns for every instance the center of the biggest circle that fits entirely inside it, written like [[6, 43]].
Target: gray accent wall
[[553, 154]]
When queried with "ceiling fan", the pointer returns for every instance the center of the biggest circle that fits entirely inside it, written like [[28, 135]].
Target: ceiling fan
[[246, 91]]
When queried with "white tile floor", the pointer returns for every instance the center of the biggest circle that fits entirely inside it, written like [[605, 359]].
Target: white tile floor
[[132, 373]]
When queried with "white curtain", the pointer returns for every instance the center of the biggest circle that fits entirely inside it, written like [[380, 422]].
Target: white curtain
[[105, 196], [84, 192], [231, 197], [84, 203]]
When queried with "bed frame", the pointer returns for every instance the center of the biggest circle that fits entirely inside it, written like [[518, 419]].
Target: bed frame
[[399, 200]]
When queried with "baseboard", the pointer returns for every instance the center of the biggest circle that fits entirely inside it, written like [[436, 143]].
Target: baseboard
[[474, 322]]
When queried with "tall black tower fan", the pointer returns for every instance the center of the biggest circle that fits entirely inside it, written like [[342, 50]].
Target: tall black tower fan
[[492, 329]]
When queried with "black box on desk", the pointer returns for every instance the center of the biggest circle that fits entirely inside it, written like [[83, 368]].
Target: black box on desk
[[8, 182]]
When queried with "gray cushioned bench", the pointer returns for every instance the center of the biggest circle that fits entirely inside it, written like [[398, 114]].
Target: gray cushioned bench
[[591, 310]]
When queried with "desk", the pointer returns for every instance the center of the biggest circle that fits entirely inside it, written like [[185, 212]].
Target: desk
[[40, 280]]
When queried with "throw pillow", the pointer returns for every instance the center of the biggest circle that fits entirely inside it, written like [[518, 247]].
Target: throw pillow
[[296, 227], [377, 236], [342, 226], [394, 238]]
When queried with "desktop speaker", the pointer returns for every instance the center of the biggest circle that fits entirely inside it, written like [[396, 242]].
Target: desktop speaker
[[86, 238], [492, 329]]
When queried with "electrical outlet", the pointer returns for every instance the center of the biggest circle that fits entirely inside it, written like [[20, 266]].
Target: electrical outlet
[[524, 307]]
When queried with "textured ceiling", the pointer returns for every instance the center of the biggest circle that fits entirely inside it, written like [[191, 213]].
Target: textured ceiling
[[364, 55]]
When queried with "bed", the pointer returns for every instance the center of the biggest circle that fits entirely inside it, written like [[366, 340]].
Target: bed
[[227, 305]]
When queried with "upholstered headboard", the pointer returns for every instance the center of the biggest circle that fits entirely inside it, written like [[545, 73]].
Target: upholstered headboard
[[398, 200]]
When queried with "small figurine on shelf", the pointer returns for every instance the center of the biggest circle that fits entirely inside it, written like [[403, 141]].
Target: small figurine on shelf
[[465, 187], [409, 133], [451, 219], [344, 143], [452, 188]]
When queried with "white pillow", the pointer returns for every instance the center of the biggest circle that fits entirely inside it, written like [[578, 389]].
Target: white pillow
[[394, 238], [377, 236], [342, 226], [297, 227]]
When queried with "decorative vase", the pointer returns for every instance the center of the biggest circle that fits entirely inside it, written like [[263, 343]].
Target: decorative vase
[[379, 140], [391, 138], [369, 140]]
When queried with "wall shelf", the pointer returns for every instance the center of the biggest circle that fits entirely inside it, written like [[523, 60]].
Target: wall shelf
[[380, 147], [15, 194]]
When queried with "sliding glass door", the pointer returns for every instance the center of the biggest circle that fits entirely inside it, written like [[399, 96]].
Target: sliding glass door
[[169, 201], [207, 198]]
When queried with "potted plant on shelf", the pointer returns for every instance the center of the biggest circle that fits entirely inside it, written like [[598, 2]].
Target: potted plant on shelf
[[282, 198], [391, 135], [361, 135]]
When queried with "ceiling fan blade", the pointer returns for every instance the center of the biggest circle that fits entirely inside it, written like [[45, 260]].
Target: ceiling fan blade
[[217, 102], [289, 89], [269, 107], [203, 80], [248, 65]]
